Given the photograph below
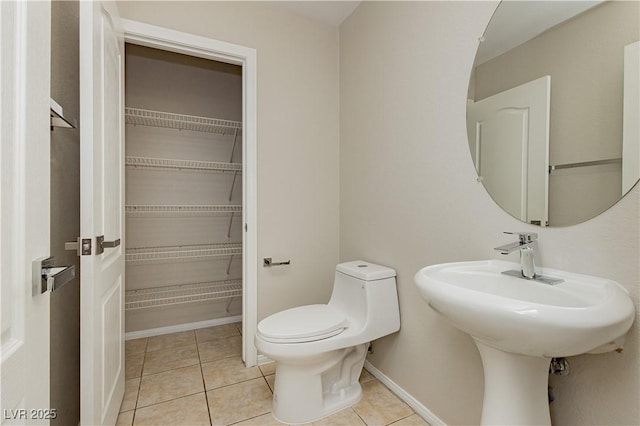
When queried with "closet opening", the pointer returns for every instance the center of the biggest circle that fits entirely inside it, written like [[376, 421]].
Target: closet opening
[[190, 197]]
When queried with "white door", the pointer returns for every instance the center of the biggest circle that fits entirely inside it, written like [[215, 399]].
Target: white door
[[24, 203], [511, 152], [101, 213]]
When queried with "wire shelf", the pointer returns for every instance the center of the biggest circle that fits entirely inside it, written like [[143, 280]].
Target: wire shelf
[[189, 253], [145, 117], [184, 293], [181, 210], [167, 163]]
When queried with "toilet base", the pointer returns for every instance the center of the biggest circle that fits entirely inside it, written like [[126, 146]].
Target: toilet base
[[308, 391], [332, 404]]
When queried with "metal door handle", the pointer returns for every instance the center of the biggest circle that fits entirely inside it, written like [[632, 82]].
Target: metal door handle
[[102, 244], [47, 277]]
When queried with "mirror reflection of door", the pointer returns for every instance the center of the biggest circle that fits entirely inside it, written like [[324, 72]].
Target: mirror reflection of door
[[509, 141], [581, 45]]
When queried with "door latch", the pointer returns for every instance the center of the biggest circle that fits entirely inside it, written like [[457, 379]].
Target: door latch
[[82, 246]]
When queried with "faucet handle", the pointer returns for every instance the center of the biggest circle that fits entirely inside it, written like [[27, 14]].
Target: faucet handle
[[525, 237]]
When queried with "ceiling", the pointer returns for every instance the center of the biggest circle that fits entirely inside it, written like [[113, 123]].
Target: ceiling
[[513, 23], [329, 12]]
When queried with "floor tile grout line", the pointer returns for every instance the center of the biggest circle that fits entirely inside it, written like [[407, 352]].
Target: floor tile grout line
[[218, 359], [400, 419], [172, 399], [135, 407], [164, 371], [170, 369], [233, 384], [204, 383], [215, 338], [359, 416], [268, 385]]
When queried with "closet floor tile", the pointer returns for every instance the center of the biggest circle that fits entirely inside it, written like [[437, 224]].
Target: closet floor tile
[[238, 326], [135, 346], [133, 365], [170, 385], [220, 348], [227, 371], [221, 331], [173, 340], [168, 359]]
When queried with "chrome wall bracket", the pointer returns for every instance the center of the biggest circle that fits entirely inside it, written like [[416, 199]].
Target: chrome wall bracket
[[268, 262]]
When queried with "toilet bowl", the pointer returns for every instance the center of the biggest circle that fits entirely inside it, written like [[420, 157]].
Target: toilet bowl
[[319, 350]]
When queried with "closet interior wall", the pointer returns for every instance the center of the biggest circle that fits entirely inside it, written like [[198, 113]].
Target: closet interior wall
[[183, 189]]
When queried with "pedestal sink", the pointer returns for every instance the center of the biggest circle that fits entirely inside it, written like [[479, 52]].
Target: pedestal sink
[[519, 325]]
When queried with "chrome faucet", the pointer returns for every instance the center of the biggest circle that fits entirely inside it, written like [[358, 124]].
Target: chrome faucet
[[527, 244]]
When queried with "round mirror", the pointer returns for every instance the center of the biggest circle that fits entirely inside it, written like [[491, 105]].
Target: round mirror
[[552, 112]]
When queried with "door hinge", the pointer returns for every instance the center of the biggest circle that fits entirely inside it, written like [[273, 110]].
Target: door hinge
[[82, 246]]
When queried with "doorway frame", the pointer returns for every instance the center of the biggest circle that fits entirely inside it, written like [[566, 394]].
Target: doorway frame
[[161, 38]]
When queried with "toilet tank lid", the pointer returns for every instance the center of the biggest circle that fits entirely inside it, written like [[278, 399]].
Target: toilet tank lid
[[365, 270]]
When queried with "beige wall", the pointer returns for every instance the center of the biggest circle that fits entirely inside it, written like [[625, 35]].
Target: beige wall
[[298, 136], [408, 195], [584, 57], [409, 198]]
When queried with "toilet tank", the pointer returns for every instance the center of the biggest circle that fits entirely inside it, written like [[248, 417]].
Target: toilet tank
[[367, 293]]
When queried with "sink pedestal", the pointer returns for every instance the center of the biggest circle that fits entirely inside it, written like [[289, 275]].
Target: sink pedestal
[[515, 388]]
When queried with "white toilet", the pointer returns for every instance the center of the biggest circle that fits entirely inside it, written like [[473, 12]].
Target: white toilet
[[319, 350]]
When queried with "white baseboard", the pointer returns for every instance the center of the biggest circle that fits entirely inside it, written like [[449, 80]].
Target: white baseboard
[[181, 327], [417, 406]]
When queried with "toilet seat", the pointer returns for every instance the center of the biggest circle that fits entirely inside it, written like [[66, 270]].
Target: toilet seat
[[303, 324]]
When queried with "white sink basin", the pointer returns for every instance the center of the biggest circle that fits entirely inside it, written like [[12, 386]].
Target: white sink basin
[[518, 325], [580, 314]]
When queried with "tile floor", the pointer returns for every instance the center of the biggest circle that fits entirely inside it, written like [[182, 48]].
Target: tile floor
[[198, 378]]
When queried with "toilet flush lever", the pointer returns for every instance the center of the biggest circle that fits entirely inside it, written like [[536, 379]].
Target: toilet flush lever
[[268, 262]]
